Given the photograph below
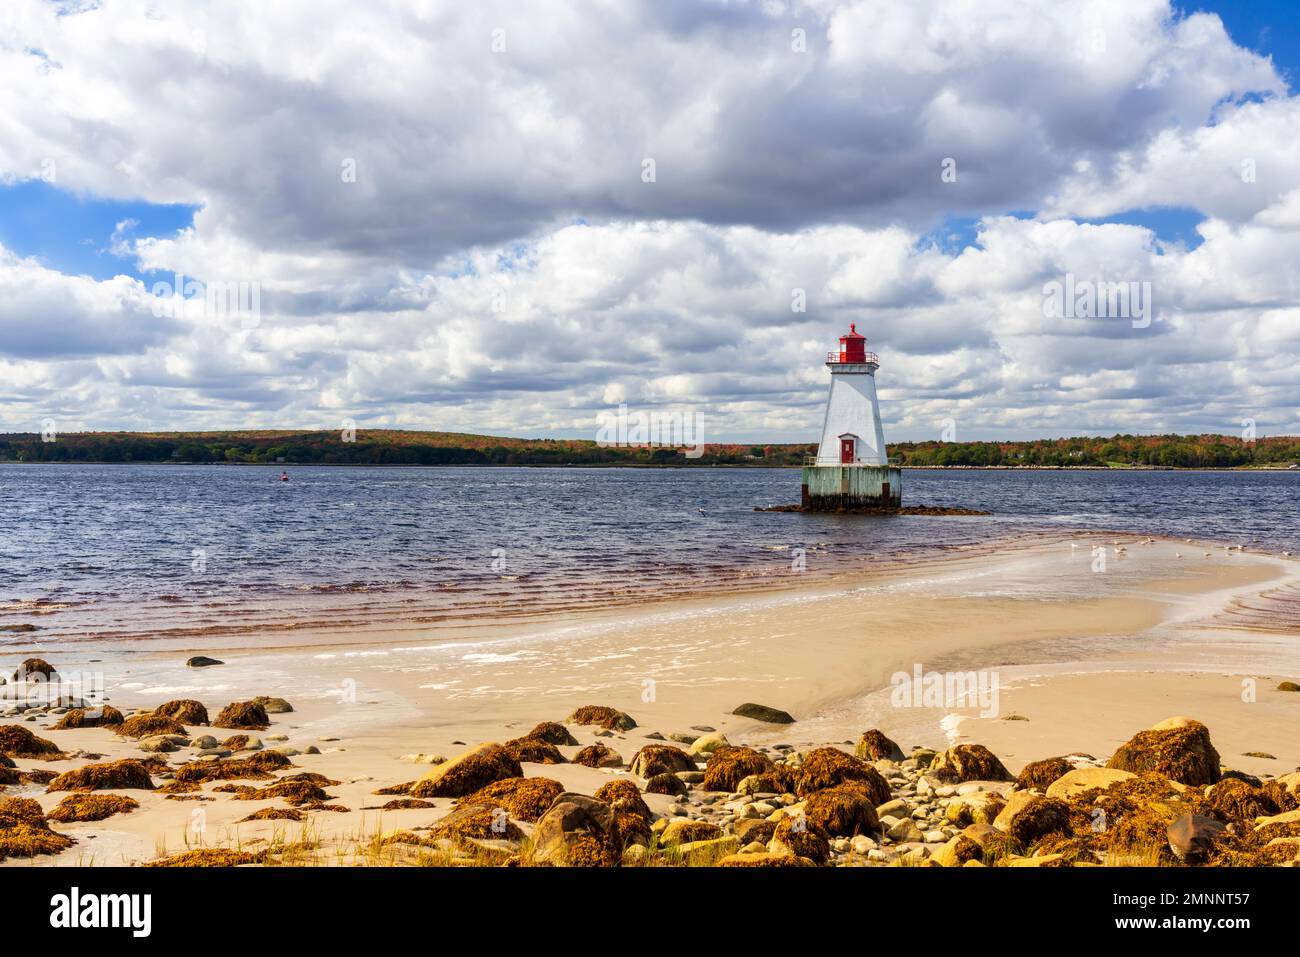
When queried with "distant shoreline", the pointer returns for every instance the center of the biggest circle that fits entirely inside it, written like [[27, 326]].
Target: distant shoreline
[[643, 466]]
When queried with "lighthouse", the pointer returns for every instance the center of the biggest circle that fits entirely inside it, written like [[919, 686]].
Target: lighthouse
[[851, 471]]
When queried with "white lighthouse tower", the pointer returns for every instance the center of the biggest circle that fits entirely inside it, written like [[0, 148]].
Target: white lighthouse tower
[[851, 471]]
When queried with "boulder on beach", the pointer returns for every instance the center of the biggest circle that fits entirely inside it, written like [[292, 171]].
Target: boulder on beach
[[468, 772], [977, 842], [683, 830], [1039, 817], [826, 767], [611, 719], [727, 767], [149, 725], [1042, 774], [660, 759], [764, 859], [17, 742], [184, 710], [1178, 748], [105, 716], [1192, 837], [534, 751], [1080, 780], [552, 732], [968, 762], [526, 799], [761, 712], [842, 811], [127, 773], [273, 705], [24, 831], [578, 831], [35, 669], [982, 807], [598, 756], [669, 784], [799, 837], [623, 796], [243, 715], [1233, 800], [875, 746], [202, 661], [476, 822], [708, 743]]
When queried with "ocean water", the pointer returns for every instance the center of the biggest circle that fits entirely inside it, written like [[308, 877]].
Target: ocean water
[[138, 551]]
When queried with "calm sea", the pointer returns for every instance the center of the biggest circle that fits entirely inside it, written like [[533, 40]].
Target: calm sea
[[140, 550]]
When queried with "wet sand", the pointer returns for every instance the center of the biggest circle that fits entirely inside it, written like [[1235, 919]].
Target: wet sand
[[1088, 657]]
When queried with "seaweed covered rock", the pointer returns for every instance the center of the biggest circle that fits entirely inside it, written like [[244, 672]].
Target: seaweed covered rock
[[1082, 780], [149, 725], [552, 732], [293, 792], [17, 742], [660, 759], [91, 807], [105, 716], [765, 859], [669, 784], [1040, 817], [243, 715], [468, 772], [127, 774], [982, 807], [622, 795], [611, 719], [800, 837], [478, 822], [255, 767], [534, 751], [598, 756], [683, 830], [978, 842], [761, 712], [826, 767], [780, 780], [968, 762], [727, 767], [35, 669], [875, 746], [578, 831], [184, 710], [275, 814], [24, 831], [525, 799], [1131, 817], [842, 811], [1232, 800], [1178, 748], [1041, 774], [210, 857]]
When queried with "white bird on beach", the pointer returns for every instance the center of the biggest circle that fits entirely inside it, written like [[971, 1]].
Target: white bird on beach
[[1207, 554], [1178, 554], [698, 509]]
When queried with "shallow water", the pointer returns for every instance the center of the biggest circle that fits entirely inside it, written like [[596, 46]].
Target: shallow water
[[132, 551]]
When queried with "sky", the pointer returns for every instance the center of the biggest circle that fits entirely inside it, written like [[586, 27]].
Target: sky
[[511, 218]]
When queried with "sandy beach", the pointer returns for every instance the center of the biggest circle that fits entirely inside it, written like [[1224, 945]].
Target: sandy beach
[[1080, 659]]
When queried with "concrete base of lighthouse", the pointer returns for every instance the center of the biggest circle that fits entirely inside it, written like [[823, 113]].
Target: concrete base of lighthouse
[[851, 488]]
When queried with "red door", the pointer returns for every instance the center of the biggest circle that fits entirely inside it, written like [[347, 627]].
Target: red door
[[846, 451]]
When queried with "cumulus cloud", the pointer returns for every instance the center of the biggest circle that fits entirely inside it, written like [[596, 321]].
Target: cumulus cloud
[[449, 212]]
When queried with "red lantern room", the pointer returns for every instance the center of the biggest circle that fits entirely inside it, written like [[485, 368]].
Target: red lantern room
[[853, 349]]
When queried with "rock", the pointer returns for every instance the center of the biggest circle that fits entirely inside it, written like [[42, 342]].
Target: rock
[[923, 757], [683, 831], [159, 744], [1013, 806], [201, 661], [1192, 837], [578, 831], [240, 715], [655, 759], [863, 845], [669, 784], [204, 742], [598, 756], [1286, 817], [534, 751], [273, 705], [478, 822], [635, 855], [700, 853], [552, 732], [968, 762], [755, 829], [1288, 686], [24, 831], [1235, 800], [896, 808], [624, 798], [759, 712], [1038, 818], [709, 743], [105, 716], [982, 807], [149, 725], [183, 710], [798, 837], [17, 742], [826, 767], [1041, 774], [976, 842], [728, 766], [525, 799], [905, 831], [1178, 748], [468, 772], [417, 758], [679, 736], [874, 746], [1042, 860], [32, 667], [842, 811], [611, 719], [1086, 779]]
